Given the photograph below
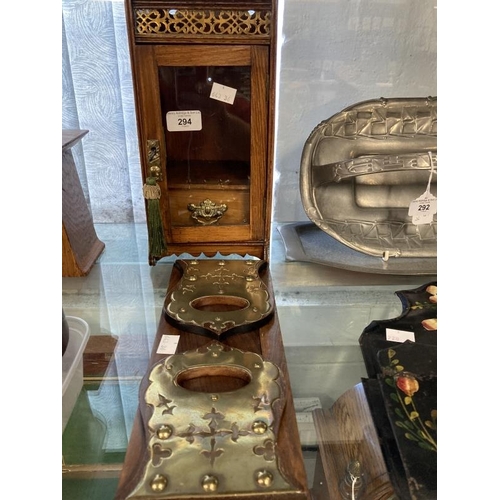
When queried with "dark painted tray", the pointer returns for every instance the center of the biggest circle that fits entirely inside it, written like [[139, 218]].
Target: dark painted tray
[[418, 315], [402, 393], [408, 383]]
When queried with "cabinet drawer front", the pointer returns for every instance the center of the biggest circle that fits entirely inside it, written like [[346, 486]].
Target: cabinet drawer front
[[191, 207]]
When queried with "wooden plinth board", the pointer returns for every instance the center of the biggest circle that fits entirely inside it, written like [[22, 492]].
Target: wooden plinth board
[[266, 342]]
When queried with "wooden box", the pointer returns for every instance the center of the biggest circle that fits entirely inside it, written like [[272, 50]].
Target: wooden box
[[80, 244]]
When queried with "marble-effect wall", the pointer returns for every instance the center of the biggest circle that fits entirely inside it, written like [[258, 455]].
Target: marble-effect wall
[[98, 96]]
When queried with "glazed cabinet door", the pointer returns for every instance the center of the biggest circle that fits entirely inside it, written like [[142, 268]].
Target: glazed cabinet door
[[203, 127]]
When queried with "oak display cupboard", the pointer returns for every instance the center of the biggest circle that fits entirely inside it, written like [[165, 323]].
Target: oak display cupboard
[[204, 79]]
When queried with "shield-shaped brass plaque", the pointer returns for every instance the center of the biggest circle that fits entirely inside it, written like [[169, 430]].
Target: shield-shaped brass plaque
[[217, 296]]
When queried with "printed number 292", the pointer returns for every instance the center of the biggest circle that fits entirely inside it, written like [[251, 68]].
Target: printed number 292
[[424, 208]]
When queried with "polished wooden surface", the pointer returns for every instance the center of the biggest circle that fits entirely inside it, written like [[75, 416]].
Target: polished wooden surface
[[80, 244], [346, 432], [265, 341]]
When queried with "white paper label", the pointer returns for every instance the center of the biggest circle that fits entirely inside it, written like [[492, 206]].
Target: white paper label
[[168, 344], [306, 417], [305, 421], [423, 208], [182, 121], [306, 404], [398, 335], [223, 93]]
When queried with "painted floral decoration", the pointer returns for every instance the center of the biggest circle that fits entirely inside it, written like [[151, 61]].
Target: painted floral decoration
[[415, 426], [407, 383], [430, 324]]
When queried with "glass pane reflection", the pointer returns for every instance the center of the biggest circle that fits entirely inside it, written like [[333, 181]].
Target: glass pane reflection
[[208, 149]]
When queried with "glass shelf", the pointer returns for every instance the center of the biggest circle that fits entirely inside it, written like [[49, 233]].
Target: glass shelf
[[322, 312]]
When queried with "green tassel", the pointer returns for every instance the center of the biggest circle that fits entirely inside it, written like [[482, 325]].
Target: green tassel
[[152, 193]]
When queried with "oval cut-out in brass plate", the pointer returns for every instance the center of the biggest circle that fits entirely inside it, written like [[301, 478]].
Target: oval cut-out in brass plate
[[219, 296], [218, 443]]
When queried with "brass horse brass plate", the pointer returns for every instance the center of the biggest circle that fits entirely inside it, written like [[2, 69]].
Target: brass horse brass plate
[[211, 443], [216, 296]]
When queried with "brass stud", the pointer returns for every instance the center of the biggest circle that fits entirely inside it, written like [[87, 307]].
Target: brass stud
[[209, 483], [264, 478], [249, 278], [256, 365], [222, 263], [214, 397], [164, 432], [158, 483], [259, 427], [192, 278]]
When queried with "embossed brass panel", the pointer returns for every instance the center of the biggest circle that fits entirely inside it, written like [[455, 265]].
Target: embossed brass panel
[[219, 296], [212, 442]]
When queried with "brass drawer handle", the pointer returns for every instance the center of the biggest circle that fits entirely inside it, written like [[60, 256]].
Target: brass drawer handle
[[207, 212]]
